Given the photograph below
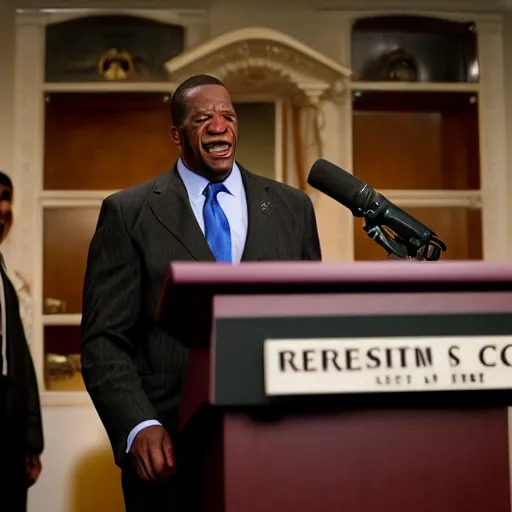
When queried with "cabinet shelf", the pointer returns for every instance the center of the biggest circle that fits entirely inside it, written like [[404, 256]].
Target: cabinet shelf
[[471, 199], [166, 88], [414, 87], [73, 198], [65, 398], [62, 319], [75, 194], [163, 87]]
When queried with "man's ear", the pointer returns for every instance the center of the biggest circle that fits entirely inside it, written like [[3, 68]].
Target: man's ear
[[175, 136]]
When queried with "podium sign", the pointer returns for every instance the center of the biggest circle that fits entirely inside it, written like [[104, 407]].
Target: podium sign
[[391, 364]]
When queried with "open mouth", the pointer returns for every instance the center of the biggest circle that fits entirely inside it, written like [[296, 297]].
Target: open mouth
[[220, 149]]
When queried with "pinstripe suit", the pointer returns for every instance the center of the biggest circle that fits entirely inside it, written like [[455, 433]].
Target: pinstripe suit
[[132, 369]]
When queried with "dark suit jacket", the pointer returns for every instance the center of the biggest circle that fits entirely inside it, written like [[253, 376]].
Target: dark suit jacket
[[132, 369], [22, 423]]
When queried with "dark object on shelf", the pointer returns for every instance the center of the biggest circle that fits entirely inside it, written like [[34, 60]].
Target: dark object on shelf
[[396, 65], [442, 50], [75, 48], [116, 64], [59, 365], [63, 372], [54, 306]]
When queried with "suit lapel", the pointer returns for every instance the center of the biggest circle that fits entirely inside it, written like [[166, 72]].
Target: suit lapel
[[170, 204], [260, 209]]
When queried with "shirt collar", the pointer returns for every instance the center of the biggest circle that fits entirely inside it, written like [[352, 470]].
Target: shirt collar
[[196, 184]]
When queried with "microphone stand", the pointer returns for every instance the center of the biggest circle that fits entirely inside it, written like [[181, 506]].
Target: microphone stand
[[373, 208], [431, 251]]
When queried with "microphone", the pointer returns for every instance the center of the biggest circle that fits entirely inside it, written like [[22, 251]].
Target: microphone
[[392, 228]]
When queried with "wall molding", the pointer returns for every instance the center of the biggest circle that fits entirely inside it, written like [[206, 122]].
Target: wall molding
[[182, 17], [28, 174], [472, 6]]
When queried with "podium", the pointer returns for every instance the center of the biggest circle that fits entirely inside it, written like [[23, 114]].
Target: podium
[[244, 448]]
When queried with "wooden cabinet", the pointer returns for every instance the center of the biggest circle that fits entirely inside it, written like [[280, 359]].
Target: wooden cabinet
[[415, 125], [94, 144], [106, 141], [421, 120]]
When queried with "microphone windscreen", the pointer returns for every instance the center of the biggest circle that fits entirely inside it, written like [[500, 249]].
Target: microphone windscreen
[[336, 183]]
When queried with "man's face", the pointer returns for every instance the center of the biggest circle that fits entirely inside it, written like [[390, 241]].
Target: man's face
[[5, 211], [209, 134]]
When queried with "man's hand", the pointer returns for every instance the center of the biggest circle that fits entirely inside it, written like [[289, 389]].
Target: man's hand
[[33, 468], [152, 454]]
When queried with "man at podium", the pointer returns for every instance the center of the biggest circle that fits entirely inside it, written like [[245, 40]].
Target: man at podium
[[206, 208]]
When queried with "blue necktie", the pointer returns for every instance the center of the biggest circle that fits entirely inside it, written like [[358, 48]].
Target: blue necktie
[[216, 225]]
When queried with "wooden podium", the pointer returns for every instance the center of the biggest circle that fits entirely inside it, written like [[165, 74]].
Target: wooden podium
[[243, 450]]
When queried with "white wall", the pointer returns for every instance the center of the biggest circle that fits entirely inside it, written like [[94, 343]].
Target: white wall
[[6, 85], [78, 470], [320, 30], [7, 93], [507, 49]]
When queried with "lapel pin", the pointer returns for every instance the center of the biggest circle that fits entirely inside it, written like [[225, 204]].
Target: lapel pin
[[266, 207]]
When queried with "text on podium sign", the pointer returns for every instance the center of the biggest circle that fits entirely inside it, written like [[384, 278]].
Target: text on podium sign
[[389, 364]]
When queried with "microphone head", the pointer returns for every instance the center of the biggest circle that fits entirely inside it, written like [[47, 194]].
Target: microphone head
[[337, 183]]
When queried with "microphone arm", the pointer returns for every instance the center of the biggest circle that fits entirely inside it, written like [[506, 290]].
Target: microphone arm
[[380, 214], [385, 240]]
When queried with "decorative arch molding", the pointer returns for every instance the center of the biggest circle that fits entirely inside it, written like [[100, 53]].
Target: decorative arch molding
[[261, 60]]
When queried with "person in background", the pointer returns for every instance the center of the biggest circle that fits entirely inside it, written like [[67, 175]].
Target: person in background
[[21, 430]]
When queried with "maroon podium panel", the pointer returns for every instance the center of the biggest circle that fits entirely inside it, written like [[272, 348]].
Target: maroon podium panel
[[245, 449]]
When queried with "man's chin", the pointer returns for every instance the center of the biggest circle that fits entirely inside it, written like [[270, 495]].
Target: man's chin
[[213, 169], [220, 165]]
